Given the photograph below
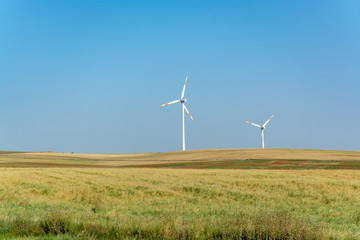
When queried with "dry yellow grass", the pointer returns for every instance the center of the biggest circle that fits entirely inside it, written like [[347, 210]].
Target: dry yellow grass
[[142, 196], [173, 202]]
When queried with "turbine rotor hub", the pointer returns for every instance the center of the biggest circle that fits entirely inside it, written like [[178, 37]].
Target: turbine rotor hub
[[183, 100]]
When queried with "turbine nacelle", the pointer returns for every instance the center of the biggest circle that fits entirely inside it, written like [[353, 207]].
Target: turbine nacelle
[[183, 100]]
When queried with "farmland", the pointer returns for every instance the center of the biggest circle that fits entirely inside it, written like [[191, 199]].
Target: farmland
[[214, 158], [111, 200]]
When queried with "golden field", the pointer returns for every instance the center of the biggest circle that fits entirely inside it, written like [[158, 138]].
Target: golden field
[[180, 201], [99, 198]]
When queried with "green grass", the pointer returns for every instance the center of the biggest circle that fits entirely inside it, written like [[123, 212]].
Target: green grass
[[243, 226]]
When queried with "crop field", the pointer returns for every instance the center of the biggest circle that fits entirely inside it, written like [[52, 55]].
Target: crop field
[[214, 158], [111, 200]]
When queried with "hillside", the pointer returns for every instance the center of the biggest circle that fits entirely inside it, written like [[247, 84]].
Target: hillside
[[210, 158]]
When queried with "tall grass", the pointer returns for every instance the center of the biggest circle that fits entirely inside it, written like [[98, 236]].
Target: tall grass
[[179, 204], [260, 226]]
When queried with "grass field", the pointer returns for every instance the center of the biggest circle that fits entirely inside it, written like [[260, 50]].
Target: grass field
[[117, 202]]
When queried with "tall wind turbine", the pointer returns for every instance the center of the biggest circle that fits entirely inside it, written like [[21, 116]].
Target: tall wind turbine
[[262, 129], [183, 107]]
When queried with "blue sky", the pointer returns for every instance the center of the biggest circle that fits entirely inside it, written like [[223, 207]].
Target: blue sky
[[88, 76]]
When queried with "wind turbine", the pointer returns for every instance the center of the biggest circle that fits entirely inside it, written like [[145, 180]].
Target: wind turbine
[[183, 107], [262, 129]]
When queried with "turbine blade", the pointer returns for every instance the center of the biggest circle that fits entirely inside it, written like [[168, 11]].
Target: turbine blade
[[183, 91], [188, 113], [169, 103], [268, 120], [253, 124]]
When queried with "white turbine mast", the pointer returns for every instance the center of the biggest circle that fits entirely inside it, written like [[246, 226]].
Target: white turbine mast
[[183, 107], [262, 129]]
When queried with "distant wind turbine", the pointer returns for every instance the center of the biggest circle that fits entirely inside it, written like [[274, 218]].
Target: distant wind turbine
[[262, 129], [182, 101]]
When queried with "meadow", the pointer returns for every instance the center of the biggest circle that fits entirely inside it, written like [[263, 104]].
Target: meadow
[[114, 202]]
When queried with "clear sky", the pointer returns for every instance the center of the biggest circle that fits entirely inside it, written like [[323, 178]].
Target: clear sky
[[88, 76]]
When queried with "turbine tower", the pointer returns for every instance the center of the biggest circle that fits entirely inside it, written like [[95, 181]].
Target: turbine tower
[[262, 129], [183, 107]]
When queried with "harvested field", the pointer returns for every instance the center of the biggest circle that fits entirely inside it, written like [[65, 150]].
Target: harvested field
[[260, 164], [221, 158]]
